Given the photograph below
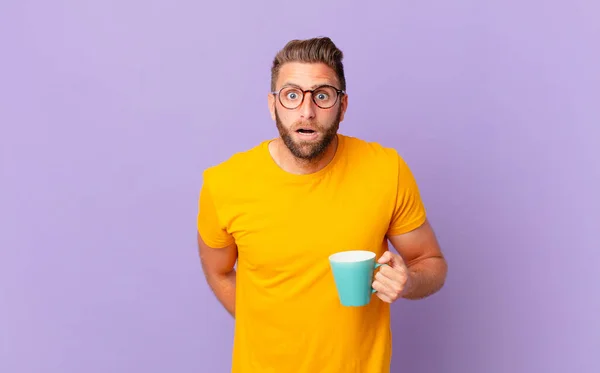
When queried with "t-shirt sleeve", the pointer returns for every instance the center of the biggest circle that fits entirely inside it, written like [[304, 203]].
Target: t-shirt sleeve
[[409, 211], [211, 230]]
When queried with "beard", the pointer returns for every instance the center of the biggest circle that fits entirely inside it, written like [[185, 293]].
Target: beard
[[308, 150]]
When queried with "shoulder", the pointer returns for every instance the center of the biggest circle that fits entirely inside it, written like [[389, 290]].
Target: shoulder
[[371, 153], [238, 167]]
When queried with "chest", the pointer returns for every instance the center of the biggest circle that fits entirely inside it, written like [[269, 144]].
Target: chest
[[283, 228]]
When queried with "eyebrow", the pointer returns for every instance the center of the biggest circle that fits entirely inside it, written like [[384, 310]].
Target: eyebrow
[[286, 84]]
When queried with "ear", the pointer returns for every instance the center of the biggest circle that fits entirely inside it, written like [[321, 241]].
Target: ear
[[271, 102], [344, 107]]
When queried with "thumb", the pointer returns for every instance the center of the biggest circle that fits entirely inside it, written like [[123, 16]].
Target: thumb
[[385, 258]]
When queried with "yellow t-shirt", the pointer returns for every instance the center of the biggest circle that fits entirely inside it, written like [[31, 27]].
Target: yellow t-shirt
[[288, 316]]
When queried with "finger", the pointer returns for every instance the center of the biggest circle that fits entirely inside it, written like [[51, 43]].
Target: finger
[[393, 272], [382, 289], [384, 297], [391, 259], [392, 286], [397, 260], [385, 258], [390, 278], [387, 289]]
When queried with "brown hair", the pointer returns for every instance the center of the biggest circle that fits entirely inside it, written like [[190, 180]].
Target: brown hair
[[310, 51]]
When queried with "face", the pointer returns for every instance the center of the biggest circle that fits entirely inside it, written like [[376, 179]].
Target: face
[[307, 130]]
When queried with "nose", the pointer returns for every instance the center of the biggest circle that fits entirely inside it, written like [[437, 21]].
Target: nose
[[308, 109]]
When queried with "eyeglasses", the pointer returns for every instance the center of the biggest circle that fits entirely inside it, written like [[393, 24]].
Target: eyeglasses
[[324, 96]]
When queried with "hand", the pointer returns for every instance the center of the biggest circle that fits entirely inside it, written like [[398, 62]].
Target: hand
[[392, 279]]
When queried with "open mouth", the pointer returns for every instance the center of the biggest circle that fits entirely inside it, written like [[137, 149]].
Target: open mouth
[[305, 131]]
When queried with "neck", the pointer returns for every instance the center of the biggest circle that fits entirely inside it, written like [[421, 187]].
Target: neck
[[290, 163]]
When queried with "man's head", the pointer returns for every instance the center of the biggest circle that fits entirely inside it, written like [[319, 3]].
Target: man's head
[[308, 121]]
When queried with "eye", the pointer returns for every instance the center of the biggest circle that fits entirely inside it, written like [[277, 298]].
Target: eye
[[324, 94], [291, 94]]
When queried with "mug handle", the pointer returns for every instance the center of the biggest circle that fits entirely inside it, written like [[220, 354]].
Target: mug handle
[[377, 265]]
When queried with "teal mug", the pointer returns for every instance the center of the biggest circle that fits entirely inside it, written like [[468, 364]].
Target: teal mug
[[353, 276]]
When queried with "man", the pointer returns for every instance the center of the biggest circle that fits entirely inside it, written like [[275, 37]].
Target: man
[[281, 208]]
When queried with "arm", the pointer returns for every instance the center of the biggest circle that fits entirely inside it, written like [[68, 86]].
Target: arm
[[217, 248], [425, 264], [419, 269], [218, 265]]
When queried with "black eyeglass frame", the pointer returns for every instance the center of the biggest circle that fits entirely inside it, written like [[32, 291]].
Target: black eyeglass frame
[[339, 93]]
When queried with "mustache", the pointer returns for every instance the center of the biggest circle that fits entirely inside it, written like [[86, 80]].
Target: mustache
[[311, 124]]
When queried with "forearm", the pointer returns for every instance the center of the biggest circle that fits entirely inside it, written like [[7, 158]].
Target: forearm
[[425, 278], [223, 286]]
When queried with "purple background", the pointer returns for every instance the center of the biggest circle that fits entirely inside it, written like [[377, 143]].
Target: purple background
[[110, 110]]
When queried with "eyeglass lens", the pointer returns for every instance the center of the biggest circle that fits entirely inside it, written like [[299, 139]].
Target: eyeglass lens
[[324, 97]]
